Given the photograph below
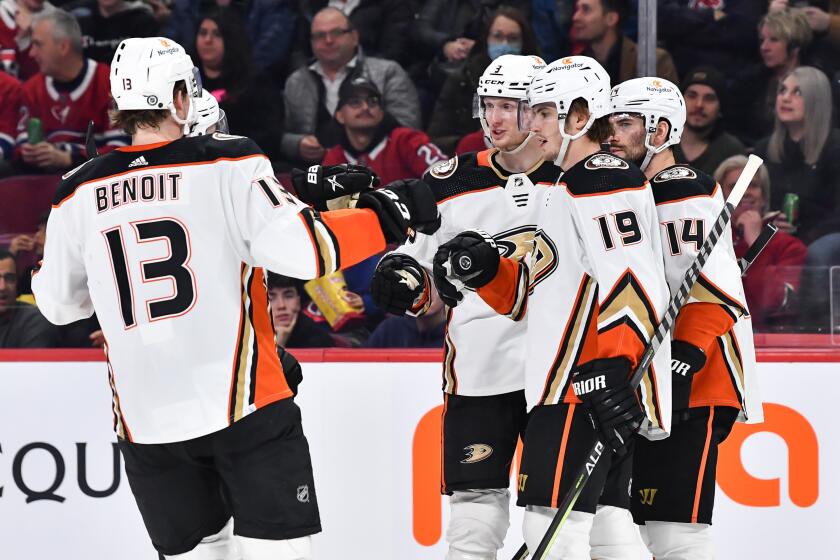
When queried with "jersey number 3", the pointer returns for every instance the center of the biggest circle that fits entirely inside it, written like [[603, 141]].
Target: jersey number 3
[[173, 267]]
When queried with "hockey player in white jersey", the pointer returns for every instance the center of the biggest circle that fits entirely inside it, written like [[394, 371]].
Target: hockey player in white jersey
[[164, 239], [209, 117], [597, 292], [496, 191], [712, 355]]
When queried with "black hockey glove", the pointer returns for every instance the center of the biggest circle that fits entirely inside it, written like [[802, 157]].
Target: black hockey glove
[[403, 207], [471, 258], [318, 184], [400, 285], [686, 360], [291, 369], [604, 386]]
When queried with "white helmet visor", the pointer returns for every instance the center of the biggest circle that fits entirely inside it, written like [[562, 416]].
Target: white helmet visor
[[222, 123], [524, 116]]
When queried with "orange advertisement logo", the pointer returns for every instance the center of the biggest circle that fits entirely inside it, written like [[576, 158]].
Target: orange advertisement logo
[[566, 61], [803, 461], [657, 83]]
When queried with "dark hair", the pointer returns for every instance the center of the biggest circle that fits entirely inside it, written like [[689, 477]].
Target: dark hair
[[601, 128], [4, 254], [529, 40], [237, 63], [279, 281], [618, 6], [130, 121]]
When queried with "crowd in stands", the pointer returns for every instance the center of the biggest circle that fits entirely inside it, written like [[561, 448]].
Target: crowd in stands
[[389, 84]]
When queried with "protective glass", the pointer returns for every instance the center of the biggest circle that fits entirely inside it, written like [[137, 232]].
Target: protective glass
[[196, 80], [222, 123], [524, 116], [530, 118]]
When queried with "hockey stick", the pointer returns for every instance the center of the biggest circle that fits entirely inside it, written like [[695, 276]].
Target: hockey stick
[[90, 143], [744, 263], [462, 269]]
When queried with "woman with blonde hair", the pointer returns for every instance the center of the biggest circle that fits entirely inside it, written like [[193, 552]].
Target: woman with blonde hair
[[802, 153]]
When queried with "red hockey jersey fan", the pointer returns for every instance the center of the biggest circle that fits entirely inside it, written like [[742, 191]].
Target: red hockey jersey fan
[[10, 92], [14, 52], [65, 113], [404, 153]]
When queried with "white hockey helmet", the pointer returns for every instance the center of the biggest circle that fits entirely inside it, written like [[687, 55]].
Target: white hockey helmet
[[652, 99], [144, 72], [508, 76], [208, 114], [562, 82]]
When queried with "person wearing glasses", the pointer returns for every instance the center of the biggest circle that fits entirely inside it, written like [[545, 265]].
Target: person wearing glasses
[[312, 92], [372, 137]]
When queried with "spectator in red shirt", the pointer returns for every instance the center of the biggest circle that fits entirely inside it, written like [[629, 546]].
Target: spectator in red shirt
[[16, 35], [68, 92], [773, 278], [10, 93], [373, 138]]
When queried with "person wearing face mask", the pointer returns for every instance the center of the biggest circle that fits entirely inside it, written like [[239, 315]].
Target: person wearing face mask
[[507, 32]]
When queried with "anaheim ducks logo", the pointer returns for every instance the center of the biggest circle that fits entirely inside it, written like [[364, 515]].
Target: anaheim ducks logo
[[544, 259], [674, 173], [444, 169], [477, 452], [605, 161], [515, 243]]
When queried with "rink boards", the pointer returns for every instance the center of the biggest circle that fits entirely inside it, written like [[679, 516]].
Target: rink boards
[[374, 431]]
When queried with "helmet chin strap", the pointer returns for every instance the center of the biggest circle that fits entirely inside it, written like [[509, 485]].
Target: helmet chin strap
[[567, 138], [520, 147], [651, 150], [186, 124]]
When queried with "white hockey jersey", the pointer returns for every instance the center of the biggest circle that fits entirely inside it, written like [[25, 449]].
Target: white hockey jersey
[[715, 317], [597, 285], [484, 353], [164, 242]]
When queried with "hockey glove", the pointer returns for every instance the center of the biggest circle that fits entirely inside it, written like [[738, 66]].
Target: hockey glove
[[318, 184], [291, 369], [403, 207], [603, 385], [400, 285], [470, 259], [686, 360]]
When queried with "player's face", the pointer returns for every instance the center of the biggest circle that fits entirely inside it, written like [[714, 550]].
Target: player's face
[[790, 106], [628, 137], [500, 114], [285, 306], [8, 284], [589, 20], [702, 106], [545, 126], [45, 49], [774, 51], [209, 44], [333, 42]]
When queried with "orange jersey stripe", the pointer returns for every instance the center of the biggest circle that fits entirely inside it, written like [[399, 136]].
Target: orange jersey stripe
[[699, 488], [558, 471], [358, 233], [500, 293], [271, 381], [700, 323]]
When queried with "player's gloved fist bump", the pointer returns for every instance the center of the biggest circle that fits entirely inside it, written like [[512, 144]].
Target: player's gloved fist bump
[[448, 292], [603, 385], [473, 258], [400, 285], [403, 206], [319, 184], [686, 360]]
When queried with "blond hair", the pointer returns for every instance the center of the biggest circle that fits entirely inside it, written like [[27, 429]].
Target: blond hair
[[791, 26], [762, 176]]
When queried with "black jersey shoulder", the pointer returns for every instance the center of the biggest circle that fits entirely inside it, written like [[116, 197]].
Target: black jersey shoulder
[[184, 151], [547, 172], [602, 173], [460, 175], [681, 181]]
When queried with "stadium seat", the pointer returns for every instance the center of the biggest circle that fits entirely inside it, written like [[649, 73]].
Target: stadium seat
[[22, 201]]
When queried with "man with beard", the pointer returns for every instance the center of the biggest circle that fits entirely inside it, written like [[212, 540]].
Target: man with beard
[[712, 358], [704, 142], [373, 138]]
